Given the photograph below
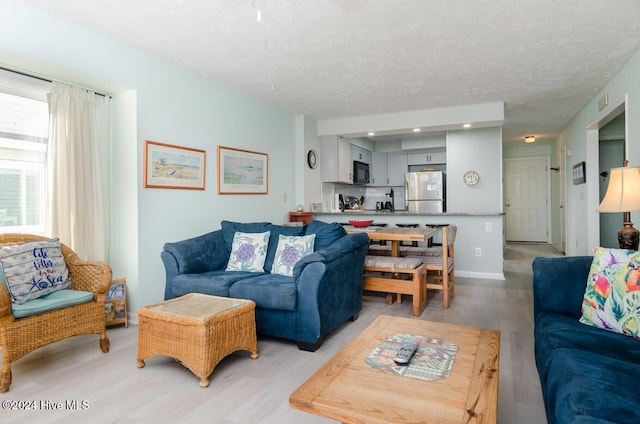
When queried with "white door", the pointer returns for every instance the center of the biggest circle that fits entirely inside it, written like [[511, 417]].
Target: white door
[[526, 200]]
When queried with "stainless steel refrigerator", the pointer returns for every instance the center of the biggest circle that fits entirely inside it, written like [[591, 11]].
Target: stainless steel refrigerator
[[425, 191]]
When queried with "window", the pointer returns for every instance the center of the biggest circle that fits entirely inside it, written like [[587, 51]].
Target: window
[[24, 126]]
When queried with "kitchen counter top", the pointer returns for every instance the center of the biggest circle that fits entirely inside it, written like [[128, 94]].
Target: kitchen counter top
[[406, 213]]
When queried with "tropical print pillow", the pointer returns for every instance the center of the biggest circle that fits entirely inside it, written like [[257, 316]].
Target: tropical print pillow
[[248, 252], [612, 297], [290, 250]]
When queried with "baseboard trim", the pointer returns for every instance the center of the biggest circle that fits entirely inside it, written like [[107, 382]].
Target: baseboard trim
[[558, 248], [480, 275]]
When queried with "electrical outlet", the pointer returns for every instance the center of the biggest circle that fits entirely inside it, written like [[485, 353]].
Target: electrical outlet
[[478, 251], [487, 227]]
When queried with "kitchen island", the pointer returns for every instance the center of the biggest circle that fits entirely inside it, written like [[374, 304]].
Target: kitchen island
[[479, 243]]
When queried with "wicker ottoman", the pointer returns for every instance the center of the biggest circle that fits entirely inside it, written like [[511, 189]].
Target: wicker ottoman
[[198, 330]]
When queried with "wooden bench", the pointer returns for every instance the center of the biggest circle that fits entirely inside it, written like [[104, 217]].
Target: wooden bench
[[420, 251], [381, 250], [375, 268]]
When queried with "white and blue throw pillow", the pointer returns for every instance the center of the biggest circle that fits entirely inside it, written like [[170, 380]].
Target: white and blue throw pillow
[[290, 250], [34, 269], [248, 252]]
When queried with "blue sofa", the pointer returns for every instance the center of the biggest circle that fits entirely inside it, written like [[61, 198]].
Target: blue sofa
[[324, 291], [588, 375]]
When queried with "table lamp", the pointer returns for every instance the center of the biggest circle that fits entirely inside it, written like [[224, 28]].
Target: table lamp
[[623, 195]]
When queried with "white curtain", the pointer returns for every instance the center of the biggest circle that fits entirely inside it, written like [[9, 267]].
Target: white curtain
[[77, 164]]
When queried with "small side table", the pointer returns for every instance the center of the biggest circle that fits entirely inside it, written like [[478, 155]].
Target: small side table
[[304, 217], [198, 330]]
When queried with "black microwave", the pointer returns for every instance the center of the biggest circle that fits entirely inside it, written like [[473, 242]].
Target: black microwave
[[360, 172]]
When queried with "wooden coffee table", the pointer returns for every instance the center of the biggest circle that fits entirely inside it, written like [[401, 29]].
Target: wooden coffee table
[[347, 389], [198, 330]]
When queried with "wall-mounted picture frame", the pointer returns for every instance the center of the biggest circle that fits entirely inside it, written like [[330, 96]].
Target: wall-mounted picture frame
[[171, 166], [579, 173], [316, 207], [242, 171]]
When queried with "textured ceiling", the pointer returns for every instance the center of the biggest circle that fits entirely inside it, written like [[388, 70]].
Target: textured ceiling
[[545, 59]]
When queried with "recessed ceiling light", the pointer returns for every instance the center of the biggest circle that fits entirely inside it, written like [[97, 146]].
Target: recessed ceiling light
[[372, 133], [416, 130], [530, 139], [467, 125]]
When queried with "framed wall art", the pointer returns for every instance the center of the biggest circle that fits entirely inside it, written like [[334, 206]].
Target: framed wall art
[[242, 171], [169, 166], [579, 174]]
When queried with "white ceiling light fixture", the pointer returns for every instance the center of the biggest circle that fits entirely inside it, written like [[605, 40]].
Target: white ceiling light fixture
[[371, 133], [530, 139], [466, 126], [417, 130]]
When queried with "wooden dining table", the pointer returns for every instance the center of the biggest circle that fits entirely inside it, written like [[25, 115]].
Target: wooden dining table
[[393, 234], [390, 285]]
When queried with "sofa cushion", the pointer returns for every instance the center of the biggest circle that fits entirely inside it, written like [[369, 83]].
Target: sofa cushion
[[229, 229], [276, 232], [556, 331], [325, 233], [586, 387], [52, 301], [34, 269], [612, 296], [248, 252], [269, 291], [290, 250], [215, 283]]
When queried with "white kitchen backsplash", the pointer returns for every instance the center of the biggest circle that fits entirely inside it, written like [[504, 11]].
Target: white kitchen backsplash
[[372, 195]]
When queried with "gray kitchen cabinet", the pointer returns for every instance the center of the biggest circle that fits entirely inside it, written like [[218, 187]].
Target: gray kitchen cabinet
[[379, 176], [426, 157], [335, 160], [397, 166], [360, 154]]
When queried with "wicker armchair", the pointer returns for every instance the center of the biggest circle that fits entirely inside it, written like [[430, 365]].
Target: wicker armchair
[[23, 335]]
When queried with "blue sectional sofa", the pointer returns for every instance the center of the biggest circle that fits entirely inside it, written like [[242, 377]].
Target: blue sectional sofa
[[324, 291], [588, 375]]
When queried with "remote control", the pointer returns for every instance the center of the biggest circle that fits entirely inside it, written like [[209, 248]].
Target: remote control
[[405, 353]]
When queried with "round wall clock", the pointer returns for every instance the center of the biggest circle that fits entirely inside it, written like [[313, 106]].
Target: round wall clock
[[312, 159], [471, 178]]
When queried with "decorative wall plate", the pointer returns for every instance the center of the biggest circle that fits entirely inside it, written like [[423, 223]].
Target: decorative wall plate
[[471, 178], [312, 159]]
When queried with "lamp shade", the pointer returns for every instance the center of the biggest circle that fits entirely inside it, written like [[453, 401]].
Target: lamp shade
[[623, 192]]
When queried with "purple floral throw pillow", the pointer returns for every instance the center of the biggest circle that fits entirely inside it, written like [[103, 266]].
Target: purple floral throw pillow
[[248, 252], [290, 250]]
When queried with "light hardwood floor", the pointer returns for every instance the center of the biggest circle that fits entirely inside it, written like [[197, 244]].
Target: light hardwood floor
[[243, 390]]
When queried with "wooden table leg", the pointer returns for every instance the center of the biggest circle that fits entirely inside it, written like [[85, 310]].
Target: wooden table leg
[[395, 252], [395, 248]]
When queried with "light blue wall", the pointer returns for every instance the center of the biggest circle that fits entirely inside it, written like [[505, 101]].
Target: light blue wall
[[157, 101], [582, 199], [479, 150]]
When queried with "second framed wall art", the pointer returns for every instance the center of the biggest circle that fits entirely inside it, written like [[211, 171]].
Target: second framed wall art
[[242, 171]]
